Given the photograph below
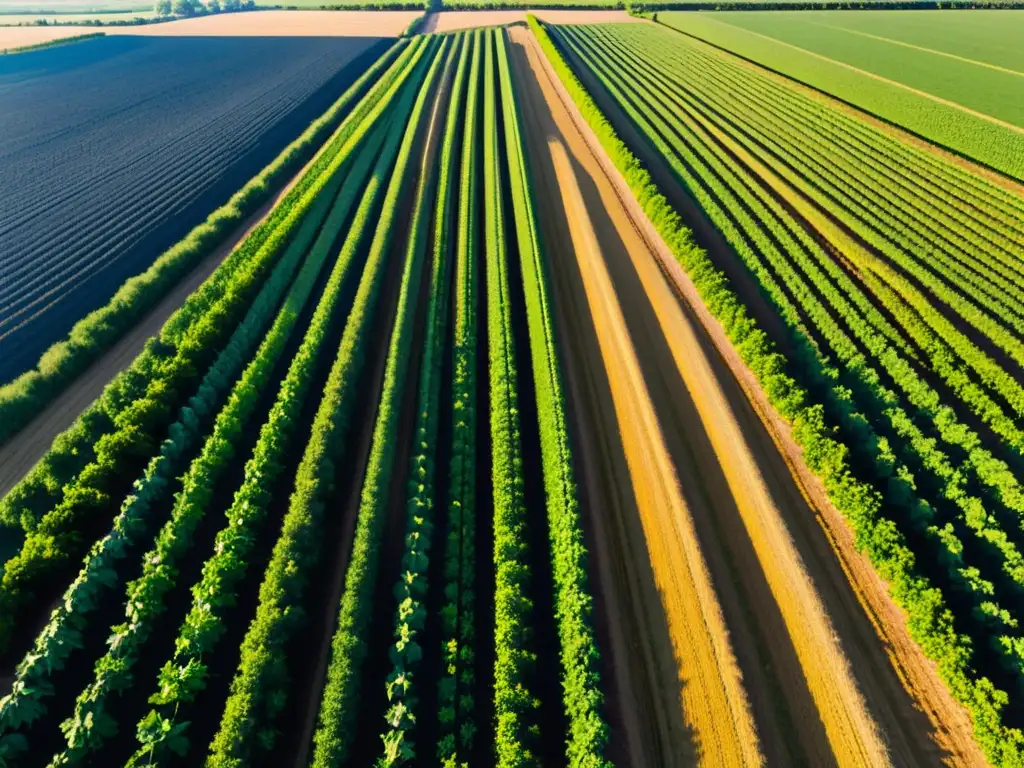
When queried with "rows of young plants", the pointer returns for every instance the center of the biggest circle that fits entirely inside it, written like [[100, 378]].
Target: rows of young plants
[[344, 350], [926, 420]]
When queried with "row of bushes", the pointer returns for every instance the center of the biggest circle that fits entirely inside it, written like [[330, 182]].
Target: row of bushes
[[26, 396], [182, 679], [411, 589], [37, 47], [573, 604], [99, 576], [929, 618], [515, 704], [340, 704], [456, 684], [259, 689]]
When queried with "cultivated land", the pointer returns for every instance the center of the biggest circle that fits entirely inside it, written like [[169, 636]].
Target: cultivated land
[[15, 19], [132, 183], [850, 279], [482, 444], [921, 75]]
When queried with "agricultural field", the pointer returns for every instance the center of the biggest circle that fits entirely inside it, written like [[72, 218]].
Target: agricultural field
[[569, 392], [893, 279], [955, 78], [96, 181]]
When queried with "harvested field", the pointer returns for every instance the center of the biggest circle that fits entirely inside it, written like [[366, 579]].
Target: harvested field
[[19, 37], [449, 21], [284, 24]]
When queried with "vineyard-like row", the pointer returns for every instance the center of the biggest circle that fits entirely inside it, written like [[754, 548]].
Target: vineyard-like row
[[892, 281], [298, 505]]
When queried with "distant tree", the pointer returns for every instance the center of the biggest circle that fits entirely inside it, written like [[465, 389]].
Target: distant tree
[[213, 6], [186, 7], [231, 5], [163, 7]]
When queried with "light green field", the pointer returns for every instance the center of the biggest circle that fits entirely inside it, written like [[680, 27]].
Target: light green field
[[955, 77]]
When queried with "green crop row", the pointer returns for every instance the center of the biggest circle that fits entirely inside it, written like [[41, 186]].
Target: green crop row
[[340, 701], [514, 654], [62, 635], [930, 620], [995, 552], [183, 678], [259, 689], [573, 604], [411, 589], [90, 724], [88, 728], [456, 722], [23, 398]]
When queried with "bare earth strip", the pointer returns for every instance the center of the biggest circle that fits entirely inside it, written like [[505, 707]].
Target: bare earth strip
[[848, 639], [713, 703], [21, 453], [449, 21]]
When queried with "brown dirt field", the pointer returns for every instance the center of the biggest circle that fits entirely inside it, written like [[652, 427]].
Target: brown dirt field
[[18, 37], [249, 24], [449, 21], [717, 726], [283, 24], [22, 451], [876, 699]]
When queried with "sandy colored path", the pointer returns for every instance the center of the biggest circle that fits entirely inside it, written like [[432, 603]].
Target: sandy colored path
[[836, 678], [448, 21], [22, 451], [719, 729]]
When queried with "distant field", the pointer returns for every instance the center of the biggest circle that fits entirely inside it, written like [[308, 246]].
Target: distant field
[[70, 6], [15, 19], [954, 77], [115, 148]]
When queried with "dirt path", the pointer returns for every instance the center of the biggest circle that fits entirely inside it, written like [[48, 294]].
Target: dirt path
[[718, 726], [22, 451], [838, 656]]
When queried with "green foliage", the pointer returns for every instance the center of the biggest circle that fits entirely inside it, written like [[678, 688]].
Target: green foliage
[[929, 619], [340, 703], [411, 589], [456, 722], [573, 604], [259, 689], [50, 44], [514, 655]]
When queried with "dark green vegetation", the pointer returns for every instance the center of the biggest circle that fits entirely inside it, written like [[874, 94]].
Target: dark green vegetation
[[289, 504], [903, 366], [954, 78]]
